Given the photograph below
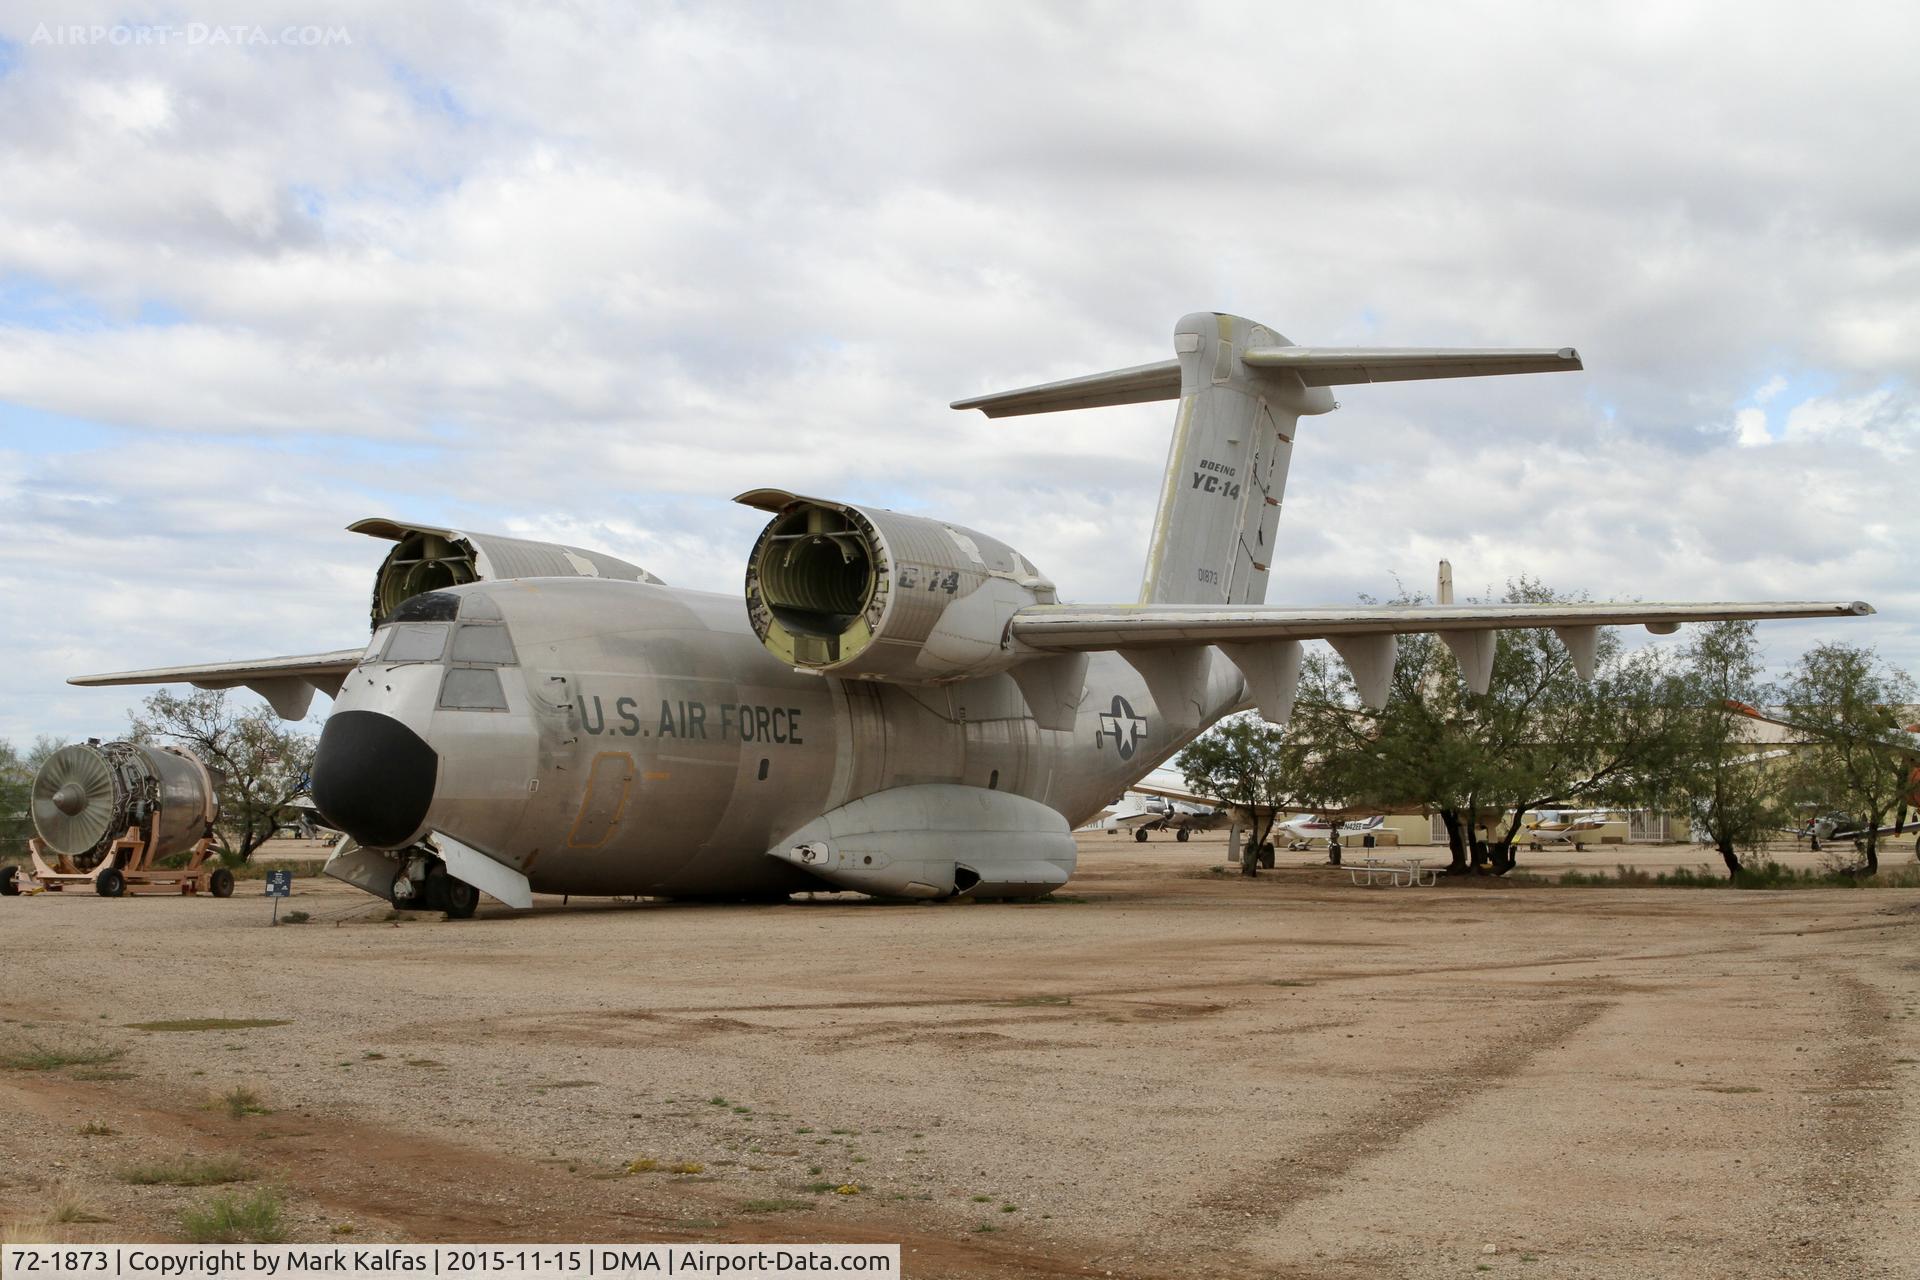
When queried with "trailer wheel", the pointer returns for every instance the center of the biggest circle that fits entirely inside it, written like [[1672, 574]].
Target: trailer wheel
[[110, 884], [1140, 834], [1181, 835], [9, 881], [220, 883]]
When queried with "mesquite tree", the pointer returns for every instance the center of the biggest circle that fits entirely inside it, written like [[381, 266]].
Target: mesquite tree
[[1859, 760], [1732, 789], [1539, 736], [1239, 761], [260, 764]]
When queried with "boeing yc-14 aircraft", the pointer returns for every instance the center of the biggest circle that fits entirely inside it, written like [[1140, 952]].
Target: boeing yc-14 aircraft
[[899, 706]]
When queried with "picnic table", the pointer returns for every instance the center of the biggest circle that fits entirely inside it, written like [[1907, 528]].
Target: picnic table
[[1407, 871]]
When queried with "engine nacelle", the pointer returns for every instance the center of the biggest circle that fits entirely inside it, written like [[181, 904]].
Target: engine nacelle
[[87, 795], [871, 594], [425, 558]]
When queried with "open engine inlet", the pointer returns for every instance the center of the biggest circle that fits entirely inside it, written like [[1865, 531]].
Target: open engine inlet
[[872, 594], [421, 562], [87, 795], [816, 572]]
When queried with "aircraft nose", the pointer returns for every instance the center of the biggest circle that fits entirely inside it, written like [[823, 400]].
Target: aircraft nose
[[373, 777]]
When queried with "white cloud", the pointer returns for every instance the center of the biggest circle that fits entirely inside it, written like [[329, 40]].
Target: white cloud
[[592, 272]]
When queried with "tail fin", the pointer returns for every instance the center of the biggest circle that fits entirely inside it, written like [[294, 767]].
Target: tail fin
[[1242, 389]]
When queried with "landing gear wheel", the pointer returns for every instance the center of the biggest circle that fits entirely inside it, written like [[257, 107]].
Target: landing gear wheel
[[1181, 835], [110, 884], [220, 883], [460, 897], [406, 894], [9, 882], [1140, 834]]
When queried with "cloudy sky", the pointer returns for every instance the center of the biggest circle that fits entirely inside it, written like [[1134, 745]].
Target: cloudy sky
[[588, 272]]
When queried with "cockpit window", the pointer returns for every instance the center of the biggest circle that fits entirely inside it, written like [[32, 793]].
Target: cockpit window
[[482, 643], [472, 689], [417, 642], [476, 606], [431, 606]]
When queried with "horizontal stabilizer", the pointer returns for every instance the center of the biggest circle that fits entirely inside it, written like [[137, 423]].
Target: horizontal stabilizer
[[1314, 366], [1144, 382], [1341, 366]]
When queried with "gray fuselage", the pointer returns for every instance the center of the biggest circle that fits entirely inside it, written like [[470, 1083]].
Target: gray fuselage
[[642, 741]]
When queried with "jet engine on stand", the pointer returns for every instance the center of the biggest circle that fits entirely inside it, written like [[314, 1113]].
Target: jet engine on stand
[[108, 814]]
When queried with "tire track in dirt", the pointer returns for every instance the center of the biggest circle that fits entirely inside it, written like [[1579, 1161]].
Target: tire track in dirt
[[1084, 998], [1394, 1117], [429, 1189], [1846, 1150]]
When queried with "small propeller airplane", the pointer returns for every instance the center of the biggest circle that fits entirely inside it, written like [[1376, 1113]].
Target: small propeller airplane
[[1303, 829], [1566, 826], [1160, 802], [1903, 739]]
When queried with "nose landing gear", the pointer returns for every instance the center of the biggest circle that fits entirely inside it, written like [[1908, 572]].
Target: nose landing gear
[[423, 884]]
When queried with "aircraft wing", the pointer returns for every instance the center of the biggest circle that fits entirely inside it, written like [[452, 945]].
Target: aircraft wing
[[1901, 740], [286, 683], [1363, 634], [1175, 793], [1131, 818], [1126, 626]]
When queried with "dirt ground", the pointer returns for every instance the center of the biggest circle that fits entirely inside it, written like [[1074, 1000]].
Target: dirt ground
[[1168, 1072]]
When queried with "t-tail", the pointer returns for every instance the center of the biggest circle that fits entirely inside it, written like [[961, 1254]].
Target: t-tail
[[1242, 389]]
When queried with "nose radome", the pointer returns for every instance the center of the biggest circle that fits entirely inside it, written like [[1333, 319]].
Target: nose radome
[[373, 778]]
